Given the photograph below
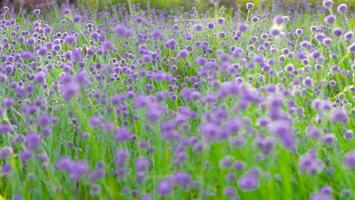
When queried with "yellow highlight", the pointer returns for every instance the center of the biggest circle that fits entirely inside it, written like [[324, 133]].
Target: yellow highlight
[[2, 198]]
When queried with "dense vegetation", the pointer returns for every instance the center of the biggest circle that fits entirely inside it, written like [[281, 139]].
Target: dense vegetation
[[147, 105]]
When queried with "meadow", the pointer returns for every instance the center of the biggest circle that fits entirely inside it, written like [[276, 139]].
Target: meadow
[[148, 104]]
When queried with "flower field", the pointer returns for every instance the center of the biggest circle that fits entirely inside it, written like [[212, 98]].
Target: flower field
[[258, 104]]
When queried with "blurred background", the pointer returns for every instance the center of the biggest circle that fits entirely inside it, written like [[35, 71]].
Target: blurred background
[[186, 5]]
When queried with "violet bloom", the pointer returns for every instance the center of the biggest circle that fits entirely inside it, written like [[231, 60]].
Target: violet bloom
[[123, 31], [5, 152], [98, 173], [141, 164], [327, 3], [164, 187], [5, 169], [249, 6], [5, 127], [349, 159], [325, 193], [249, 181], [342, 8], [121, 157], [146, 197], [182, 178], [283, 130], [8, 102], [76, 55], [70, 39], [69, 90], [310, 163], [123, 134], [78, 169], [33, 141], [330, 19], [339, 115], [351, 48], [36, 12], [25, 155], [230, 192]]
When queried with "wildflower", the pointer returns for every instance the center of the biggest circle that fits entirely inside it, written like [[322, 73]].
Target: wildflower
[[249, 181], [164, 187]]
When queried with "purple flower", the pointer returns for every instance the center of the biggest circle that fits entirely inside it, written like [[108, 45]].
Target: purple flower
[[26, 55], [325, 193], [348, 35], [5, 169], [278, 19], [40, 77], [229, 192], [330, 19], [156, 34], [164, 187], [76, 55], [8, 102], [123, 31], [69, 89], [249, 6], [123, 134], [249, 181], [25, 155], [327, 3], [36, 12], [182, 178], [33, 141], [78, 169], [351, 48], [142, 164], [349, 159], [309, 163], [44, 120], [171, 44], [339, 115], [70, 39], [5, 127], [98, 173], [283, 130], [121, 157], [183, 53], [5, 152]]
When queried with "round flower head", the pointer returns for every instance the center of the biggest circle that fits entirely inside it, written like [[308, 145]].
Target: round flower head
[[283, 130], [121, 157], [351, 48], [325, 193], [76, 18], [33, 141], [182, 178], [8, 102], [5, 152], [164, 187], [279, 20], [249, 181], [342, 8], [5, 169], [220, 20], [146, 197], [330, 19], [339, 115], [349, 160], [310, 163], [249, 6], [229, 192], [327, 3], [36, 12], [348, 35]]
